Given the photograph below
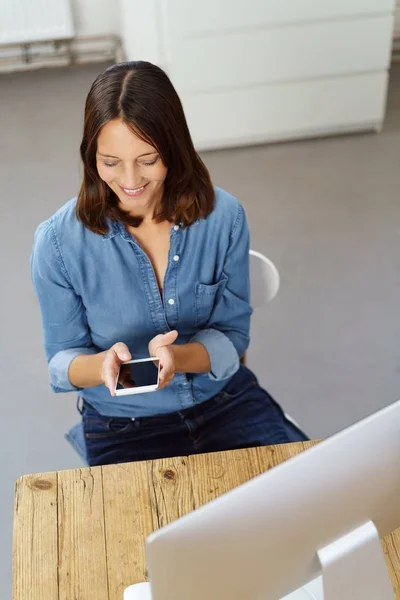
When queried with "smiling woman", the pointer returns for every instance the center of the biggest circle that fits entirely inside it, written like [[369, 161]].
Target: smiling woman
[[135, 136], [136, 175], [150, 260]]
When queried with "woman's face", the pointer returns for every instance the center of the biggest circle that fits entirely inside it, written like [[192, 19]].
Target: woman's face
[[132, 168]]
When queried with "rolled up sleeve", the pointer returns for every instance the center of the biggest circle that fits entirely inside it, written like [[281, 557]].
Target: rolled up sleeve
[[223, 355], [65, 329], [227, 333], [59, 367]]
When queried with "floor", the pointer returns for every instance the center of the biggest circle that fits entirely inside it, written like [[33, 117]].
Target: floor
[[327, 212]]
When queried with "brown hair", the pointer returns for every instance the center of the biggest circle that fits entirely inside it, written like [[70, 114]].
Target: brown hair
[[142, 95]]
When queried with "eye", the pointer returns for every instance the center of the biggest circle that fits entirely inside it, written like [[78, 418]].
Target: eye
[[106, 164], [153, 162]]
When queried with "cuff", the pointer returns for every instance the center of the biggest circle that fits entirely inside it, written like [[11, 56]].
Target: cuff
[[224, 358], [59, 365]]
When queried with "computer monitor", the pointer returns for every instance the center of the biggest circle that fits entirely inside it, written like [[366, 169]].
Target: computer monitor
[[321, 512]]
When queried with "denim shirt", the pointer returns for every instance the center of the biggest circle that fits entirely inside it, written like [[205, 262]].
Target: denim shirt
[[95, 290]]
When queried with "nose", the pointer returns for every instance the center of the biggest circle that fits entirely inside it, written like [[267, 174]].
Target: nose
[[131, 178]]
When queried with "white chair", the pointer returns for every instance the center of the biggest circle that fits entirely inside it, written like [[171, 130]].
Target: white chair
[[264, 279], [264, 286]]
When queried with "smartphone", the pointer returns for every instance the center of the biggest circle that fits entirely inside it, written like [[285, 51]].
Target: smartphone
[[138, 376]]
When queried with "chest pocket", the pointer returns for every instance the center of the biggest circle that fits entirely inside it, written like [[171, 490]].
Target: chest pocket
[[206, 298]]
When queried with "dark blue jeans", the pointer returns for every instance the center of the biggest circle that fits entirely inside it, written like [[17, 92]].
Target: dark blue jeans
[[242, 415]]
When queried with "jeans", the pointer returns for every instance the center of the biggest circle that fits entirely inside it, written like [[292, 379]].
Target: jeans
[[242, 415]]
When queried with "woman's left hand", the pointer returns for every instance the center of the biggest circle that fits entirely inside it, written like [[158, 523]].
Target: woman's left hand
[[160, 347]]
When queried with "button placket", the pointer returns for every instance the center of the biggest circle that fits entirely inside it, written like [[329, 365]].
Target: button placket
[[154, 298], [170, 283]]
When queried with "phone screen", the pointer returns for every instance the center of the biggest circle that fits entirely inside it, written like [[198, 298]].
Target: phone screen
[[138, 374]]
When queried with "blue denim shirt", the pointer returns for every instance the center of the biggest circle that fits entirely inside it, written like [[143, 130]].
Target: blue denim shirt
[[97, 290]]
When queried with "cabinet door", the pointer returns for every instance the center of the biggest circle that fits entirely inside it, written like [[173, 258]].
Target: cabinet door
[[286, 111], [249, 57], [185, 18]]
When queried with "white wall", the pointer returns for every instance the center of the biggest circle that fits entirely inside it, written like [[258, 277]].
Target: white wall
[[96, 17]]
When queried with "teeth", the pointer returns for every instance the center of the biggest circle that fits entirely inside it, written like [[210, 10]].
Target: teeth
[[133, 191]]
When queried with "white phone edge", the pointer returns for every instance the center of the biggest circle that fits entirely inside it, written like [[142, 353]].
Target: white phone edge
[[144, 389], [139, 390]]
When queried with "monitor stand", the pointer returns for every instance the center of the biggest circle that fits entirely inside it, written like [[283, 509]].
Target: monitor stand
[[139, 591], [352, 567], [312, 591]]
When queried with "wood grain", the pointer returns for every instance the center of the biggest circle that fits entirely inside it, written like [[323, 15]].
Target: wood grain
[[35, 538], [79, 535], [82, 565], [272, 456], [217, 473], [391, 549], [128, 521], [171, 490]]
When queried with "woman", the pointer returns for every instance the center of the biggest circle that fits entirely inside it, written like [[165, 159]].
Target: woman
[[150, 259]]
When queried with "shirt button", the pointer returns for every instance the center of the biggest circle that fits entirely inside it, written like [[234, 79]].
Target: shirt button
[[176, 227], [171, 301], [176, 258]]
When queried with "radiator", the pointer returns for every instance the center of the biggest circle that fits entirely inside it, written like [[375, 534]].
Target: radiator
[[25, 21]]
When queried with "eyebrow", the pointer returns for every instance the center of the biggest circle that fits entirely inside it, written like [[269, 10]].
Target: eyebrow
[[116, 157]]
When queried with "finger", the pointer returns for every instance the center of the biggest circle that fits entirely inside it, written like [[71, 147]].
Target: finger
[[169, 378], [121, 351], [161, 340], [110, 381], [166, 358], [166, 382], [110, 373], [167, 371], [169, 338]]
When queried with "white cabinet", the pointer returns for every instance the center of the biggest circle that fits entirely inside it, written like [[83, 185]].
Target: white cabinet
[[266, 70], [397, 19]]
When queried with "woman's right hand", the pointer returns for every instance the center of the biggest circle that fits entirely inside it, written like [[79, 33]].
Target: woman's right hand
[[113, 358]]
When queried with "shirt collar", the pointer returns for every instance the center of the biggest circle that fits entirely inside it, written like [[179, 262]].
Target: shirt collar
[[113, 229], [116, 228]]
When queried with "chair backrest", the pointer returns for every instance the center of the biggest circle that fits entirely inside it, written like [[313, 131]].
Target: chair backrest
[[264, 279]]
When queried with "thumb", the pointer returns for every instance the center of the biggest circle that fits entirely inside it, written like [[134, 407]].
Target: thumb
[[169, 338], [122, 351]]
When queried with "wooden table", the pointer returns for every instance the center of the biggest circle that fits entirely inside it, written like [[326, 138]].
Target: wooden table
[[78, 535]]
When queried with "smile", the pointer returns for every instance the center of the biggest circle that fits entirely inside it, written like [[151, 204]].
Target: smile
[[134, 192]]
